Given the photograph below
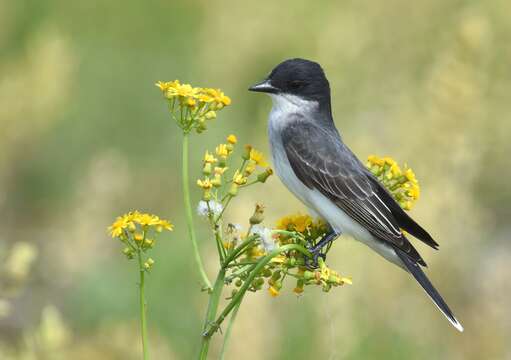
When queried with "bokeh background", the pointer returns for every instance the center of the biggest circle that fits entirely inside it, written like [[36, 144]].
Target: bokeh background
[[85, 136]]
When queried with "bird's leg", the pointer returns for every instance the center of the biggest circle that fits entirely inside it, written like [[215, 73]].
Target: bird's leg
[[316, 250]]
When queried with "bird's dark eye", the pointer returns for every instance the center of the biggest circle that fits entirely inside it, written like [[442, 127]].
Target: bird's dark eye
[[296, 84]]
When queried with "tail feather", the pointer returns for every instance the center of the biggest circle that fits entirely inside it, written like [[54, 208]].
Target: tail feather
[[422, 279]]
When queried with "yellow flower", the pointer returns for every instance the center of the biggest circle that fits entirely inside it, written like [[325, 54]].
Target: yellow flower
[[279, 259], [273, 291], [231, 139], [410, 176], [147, 219], [205, 184], [298, 290], [374, 160], [182, 90], [163, 85], [250, 168], [209, 158], [166, 225], [414, 192], [346, 280], [220, 170], [395, 170], [403, 186], [116, 229], [190, 102], [222, 150], [297, 222], [238, 178], [228, 245], [258, 157], [218, 96]]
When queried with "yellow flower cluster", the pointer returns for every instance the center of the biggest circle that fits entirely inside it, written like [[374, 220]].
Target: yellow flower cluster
[[215, 167], [192, 106], [134, 229], [300, 223], [292, 229], [403, 185], [128, 223]]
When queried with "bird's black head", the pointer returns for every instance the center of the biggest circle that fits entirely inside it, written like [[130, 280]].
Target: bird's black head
[[298, 77]]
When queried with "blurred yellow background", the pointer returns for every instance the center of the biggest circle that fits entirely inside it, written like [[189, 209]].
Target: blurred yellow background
[[85, 136]]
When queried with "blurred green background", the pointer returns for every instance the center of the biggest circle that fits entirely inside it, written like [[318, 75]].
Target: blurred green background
[[85, 136]]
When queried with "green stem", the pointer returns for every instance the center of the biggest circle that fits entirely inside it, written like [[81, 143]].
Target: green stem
[[237, 251], [214, 299], [229, 198], [143, 307], [229, 329], [213, 326], [189, 214]]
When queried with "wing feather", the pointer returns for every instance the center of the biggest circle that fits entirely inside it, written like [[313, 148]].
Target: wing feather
[[321, 161]]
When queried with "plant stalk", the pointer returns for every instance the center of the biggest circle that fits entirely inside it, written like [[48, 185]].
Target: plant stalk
[[212, 326], [229, 329], [189, 213], [143, 307], [214, 299]]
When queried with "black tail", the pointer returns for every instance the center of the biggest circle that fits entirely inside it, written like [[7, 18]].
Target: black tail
[[419, 275]]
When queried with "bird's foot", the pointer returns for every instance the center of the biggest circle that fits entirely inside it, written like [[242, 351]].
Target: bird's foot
[[317, 249], [313, 263]]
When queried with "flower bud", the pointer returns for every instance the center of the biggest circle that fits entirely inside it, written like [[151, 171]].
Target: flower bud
[[273, 291], [238, 283], [210, 115], [267, 273], [299, 287], [308, 275], [128, 252], [132, 227], [231, 139], [262, 177], [206, 170], [246, 152], [138, 237], [275, 276], [258, 215], [148, 243], [217, 180]]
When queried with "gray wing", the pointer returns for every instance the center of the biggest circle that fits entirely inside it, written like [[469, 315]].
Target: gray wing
[[321, 161]]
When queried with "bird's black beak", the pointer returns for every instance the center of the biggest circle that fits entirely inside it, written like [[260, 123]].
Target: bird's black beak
[[264, 86]]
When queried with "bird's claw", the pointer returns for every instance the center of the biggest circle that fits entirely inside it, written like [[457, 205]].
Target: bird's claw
[[313, 263]]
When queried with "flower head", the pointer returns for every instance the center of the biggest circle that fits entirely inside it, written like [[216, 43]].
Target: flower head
[[273, 291], [258, 157], [296, 222], [222, 150], [192, 106], [266, 236], [205, 207], [231, 139], [127, 223], [402, 185], [238, 178], [205, 184]]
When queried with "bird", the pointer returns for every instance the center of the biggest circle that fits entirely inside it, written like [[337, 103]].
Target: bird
[[312, 160]]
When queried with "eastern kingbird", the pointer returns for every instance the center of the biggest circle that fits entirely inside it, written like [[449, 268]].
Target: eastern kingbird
[[319, 169]]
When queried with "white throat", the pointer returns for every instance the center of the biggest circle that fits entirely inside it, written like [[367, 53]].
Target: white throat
[[287, 104]]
